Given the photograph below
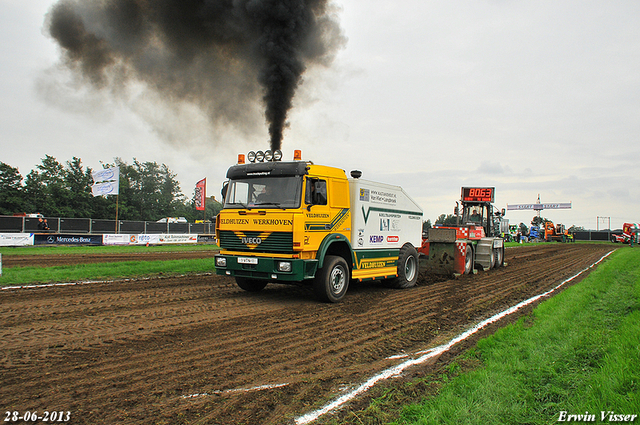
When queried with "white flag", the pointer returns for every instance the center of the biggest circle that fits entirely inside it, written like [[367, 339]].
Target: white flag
[[106, 182]]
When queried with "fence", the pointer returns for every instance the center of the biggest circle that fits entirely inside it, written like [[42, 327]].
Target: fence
[[10, 224]]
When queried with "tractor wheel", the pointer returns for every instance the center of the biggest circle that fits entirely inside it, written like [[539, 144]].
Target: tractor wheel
[[468, 260], [492, 261], [251, 285], [407, 268], [332, 280], [499, 257]]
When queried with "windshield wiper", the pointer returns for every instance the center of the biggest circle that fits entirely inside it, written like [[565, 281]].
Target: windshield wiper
[[270, 203], [239, 203]]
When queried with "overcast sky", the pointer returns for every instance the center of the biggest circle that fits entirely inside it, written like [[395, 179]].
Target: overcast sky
[[539, 97]]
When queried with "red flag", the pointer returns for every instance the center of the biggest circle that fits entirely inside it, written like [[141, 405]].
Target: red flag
[[201, 193]]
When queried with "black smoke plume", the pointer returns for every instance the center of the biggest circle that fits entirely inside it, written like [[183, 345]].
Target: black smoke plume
[[221, 55]]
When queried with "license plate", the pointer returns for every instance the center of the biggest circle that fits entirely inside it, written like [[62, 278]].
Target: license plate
[[247, 260]]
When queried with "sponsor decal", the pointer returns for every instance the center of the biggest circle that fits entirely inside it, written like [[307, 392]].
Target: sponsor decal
[[388, 198], [320, 215], [376, 239], [393, 239], [234, 221], [272, 222], [364, 195], [372, 264]]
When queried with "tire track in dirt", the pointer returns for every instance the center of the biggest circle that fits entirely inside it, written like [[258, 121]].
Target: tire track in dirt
[[129, 352]]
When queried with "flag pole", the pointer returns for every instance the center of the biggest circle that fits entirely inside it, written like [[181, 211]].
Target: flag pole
[[117, 199]]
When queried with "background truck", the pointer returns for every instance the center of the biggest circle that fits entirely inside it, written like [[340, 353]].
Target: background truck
[[630, 233], [475, 243], [298, 222]]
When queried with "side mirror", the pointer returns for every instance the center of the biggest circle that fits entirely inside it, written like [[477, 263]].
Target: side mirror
[[224, 191]]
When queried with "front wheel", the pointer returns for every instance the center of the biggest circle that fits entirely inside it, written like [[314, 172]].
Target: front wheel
[[251, 285], [332, 280]]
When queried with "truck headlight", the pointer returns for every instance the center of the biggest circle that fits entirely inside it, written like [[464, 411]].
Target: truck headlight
[[284, 266], [221, 262]]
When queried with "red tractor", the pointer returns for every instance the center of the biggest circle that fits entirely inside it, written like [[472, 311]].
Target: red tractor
[[474, 243]]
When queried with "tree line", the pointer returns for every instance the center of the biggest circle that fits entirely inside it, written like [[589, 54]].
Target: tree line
[[148, 191]]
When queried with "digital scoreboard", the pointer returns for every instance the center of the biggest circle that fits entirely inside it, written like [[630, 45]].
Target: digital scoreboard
[[478, 194]]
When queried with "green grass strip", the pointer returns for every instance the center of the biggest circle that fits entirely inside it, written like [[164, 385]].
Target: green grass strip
[[577, 353], [104, 271], [102, 249]]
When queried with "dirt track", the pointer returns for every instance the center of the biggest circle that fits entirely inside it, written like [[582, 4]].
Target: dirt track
[[198, 350]]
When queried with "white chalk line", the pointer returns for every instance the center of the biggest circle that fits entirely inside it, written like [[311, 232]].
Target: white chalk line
[[237, 390], [428, 354]]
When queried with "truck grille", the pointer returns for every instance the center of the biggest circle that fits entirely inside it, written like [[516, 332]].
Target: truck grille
[[248, 241]]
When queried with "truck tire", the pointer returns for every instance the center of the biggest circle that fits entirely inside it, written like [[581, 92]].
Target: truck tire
[[332, 280], [468, 260], [251, 285], [407, 268]]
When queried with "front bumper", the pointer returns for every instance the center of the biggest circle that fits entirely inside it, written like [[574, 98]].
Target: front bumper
[[266, 268]]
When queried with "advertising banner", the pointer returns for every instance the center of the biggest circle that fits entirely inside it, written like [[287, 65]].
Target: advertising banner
[[120, 239], [62, 239], [107, 182], [174, 238], [201, 193], [143, 239], [16, 239]]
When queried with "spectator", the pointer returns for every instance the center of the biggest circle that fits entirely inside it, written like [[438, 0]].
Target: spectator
[[43, 225]]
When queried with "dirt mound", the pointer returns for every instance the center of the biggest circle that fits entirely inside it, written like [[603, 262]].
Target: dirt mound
[[200, 350]]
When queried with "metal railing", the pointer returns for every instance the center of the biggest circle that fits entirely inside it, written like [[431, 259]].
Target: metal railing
[[10, 224]]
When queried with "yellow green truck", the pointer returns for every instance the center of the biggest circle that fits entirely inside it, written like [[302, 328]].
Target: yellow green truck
[[298, 222]]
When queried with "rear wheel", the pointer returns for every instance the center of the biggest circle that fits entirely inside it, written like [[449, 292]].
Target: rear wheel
[[251, 285], [468, 260], [407, 268], [332, 280]]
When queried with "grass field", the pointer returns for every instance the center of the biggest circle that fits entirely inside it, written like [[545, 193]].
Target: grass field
[[101, 249], [102, 271], [577, 353]]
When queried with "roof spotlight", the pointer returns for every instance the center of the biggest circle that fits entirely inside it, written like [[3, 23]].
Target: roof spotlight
[[268, 155], [251, 156], [277, 155], [260, 156]]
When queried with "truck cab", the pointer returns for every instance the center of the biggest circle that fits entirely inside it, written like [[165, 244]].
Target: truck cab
[[298, 222]]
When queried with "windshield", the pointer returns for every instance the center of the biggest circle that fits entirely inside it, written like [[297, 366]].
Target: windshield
[[264, 192], [473, 214]]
